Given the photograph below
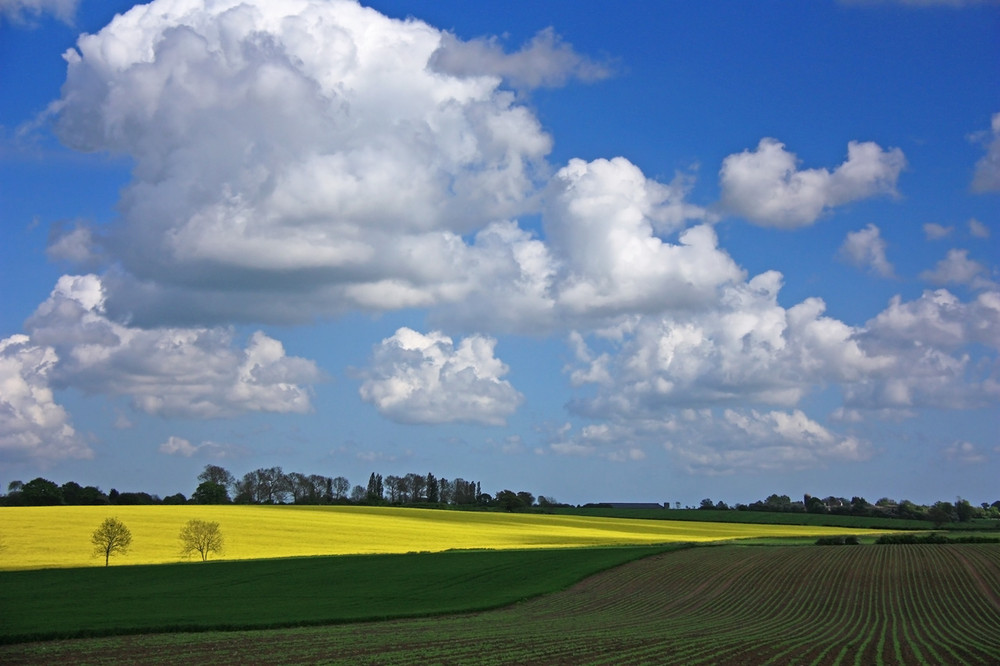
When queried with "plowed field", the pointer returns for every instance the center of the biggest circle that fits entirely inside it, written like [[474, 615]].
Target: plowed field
[[714, 605]]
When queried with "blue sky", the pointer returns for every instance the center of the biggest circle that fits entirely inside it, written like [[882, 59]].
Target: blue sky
[[600, 252]]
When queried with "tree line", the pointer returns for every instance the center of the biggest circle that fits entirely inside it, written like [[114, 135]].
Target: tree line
[[272, 485], [941, 512]]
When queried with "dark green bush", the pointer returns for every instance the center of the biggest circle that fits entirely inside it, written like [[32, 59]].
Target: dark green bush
[[839, 540]]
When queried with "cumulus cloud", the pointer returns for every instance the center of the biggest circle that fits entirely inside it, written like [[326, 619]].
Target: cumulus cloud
[[748, 349], [767, 187], [33, 426], [866, 249], [21, 11], [545, 62], [752, 441], [417, 378], [957, 268], [616, 243], [939, 319], [294, 159], [986, 177], [603, 221], [929, 342], [189, 372], [745, 347]]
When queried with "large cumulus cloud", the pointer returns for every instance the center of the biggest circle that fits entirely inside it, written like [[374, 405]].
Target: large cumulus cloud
[[297, 151]]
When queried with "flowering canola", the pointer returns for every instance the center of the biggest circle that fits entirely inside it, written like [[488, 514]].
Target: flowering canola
[[43, 537]]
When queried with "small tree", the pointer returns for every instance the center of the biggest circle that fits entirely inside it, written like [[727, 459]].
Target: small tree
[[202, 537], [112, 537]]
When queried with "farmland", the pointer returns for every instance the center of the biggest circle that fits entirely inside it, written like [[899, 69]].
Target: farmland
[[704, 605], [59, 603], [44, 537]]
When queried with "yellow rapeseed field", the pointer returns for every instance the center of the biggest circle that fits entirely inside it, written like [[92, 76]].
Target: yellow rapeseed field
[[42, 537]]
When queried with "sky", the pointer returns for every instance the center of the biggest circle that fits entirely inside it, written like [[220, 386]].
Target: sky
[[600, 252]]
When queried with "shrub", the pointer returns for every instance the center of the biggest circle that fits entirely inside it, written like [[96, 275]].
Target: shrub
[[838, 540]]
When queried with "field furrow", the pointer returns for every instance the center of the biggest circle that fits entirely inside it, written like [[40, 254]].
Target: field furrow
[[715, 605]]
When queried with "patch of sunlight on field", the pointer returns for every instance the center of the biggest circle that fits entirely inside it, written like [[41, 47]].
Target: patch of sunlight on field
[[42, 537]]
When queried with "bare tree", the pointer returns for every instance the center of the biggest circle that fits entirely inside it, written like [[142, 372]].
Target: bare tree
[[263, 486], [112, 537], [341, 487], [202, 537]]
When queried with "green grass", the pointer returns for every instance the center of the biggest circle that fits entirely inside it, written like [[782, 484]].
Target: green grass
[[720, 604], [60, 603]]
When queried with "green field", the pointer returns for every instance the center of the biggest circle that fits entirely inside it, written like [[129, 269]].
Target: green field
[[726, 604], [58, 603], [765, 518]]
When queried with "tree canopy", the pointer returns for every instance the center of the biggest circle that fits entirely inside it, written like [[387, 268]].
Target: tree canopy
[[111, 537]]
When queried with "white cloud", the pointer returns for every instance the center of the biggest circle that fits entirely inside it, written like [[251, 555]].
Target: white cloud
[[935, 231], [294, 158], [602, 221], [32, 424], [604, 256], [178, 446], [745, 347], [417, 378], [929, 342], [20, 11], [545, 62], [966, 453], [715, 442], [987, 174], [866, 249], [939, 319], [767, 187], [300, 159], [190, 372], [957, 268], [977, 229], [748, 441], [748, 349]]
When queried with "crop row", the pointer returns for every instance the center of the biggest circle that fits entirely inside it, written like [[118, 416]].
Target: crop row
[[711, 605]]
